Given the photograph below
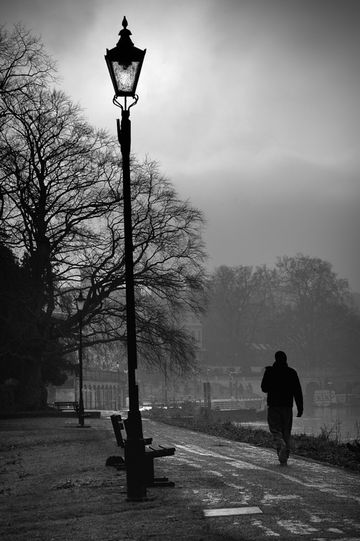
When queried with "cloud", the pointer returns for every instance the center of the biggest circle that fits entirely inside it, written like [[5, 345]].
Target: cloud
[[251, 108]]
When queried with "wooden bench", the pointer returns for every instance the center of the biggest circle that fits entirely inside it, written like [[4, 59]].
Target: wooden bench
[[65, 406], [152, 451]]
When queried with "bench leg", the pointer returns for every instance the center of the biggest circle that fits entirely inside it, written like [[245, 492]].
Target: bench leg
[[150, 479], [161, 482]]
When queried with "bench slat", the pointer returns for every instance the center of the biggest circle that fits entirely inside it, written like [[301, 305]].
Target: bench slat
[[160, 451]]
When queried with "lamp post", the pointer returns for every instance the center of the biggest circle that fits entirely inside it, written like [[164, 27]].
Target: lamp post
[[124, 63], [80, 301]]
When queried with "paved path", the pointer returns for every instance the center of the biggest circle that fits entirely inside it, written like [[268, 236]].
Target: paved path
[[305, 500]]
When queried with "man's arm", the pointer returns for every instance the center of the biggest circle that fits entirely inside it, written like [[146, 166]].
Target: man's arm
[[298, 395], [265, 384]]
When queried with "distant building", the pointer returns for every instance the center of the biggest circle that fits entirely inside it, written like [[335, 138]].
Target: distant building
[[102, 389]]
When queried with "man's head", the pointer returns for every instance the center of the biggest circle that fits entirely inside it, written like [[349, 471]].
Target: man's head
[[280, 358]]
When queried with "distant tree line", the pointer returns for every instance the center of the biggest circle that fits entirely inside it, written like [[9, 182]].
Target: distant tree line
[[300, 306], [61, 231]]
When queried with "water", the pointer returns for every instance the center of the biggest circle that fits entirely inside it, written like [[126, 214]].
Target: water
[[341, 422]]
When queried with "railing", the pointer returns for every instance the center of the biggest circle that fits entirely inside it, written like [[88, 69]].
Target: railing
[[238, 403]]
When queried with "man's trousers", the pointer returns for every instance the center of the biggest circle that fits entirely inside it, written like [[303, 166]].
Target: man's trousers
[[280, 424]]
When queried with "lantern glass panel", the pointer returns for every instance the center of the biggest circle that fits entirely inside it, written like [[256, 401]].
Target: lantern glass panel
[[126, 76]]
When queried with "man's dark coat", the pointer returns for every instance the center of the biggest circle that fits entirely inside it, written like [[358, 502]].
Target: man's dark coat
[[282, 385]]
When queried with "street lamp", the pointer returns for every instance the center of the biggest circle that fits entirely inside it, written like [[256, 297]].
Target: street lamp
[[124, 63], [80, 301]]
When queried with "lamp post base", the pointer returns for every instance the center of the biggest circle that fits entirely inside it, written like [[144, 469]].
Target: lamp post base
[[135, 470], [135, 458]]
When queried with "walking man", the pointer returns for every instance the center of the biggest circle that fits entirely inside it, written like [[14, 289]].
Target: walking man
[[282, 385]]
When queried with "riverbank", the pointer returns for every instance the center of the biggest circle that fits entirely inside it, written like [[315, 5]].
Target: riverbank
[[323, 448]]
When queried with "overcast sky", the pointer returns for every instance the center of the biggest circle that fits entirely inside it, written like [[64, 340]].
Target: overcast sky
[[250, 107]]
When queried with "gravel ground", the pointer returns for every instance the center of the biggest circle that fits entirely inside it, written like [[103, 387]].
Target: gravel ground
[[55, 486]]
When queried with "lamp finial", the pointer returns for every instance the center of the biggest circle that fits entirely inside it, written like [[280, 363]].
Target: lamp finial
[[125, 33]]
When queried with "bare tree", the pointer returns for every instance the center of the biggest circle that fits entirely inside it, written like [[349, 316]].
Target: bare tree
[[63, 210], [300, 306], [314, 303], [241, 301], [24, 65], [54, 175], [24, 62], [168, 269]]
